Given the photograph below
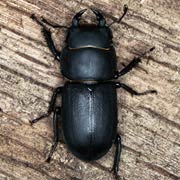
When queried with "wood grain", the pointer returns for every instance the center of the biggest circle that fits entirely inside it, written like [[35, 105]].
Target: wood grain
[[149, 125]]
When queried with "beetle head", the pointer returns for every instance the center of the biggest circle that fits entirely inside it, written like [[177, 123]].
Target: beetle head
[[89, 35]]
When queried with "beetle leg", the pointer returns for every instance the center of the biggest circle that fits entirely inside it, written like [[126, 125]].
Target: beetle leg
[[48, 38], [117, 156], [56, 134], [133, 92], [128, 68], [125, 9], [132, 64], [46, 22], [51, 106]]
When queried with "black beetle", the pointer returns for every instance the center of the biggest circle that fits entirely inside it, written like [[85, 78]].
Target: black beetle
[[89, 99]]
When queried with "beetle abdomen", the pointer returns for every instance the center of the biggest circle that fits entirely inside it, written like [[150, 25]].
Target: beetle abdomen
[[90, 110], [88, 63]]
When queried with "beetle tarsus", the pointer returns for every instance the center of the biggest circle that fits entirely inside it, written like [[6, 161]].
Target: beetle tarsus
[[39, 118], [116, 177], [152, 48], [117, 156], [53, 148], [48, 160], [53, 25], [30, 122], [43, 20], [34, 17], [146, 52], [56, 134]]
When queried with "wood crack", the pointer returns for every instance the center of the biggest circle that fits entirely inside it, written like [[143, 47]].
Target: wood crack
[[159, 170], [28, 78], [161, 117]]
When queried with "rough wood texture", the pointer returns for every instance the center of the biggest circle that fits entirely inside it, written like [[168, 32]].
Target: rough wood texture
[[149, 125]]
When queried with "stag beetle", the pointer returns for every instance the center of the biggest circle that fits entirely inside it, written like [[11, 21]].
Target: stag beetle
[[89, 99]]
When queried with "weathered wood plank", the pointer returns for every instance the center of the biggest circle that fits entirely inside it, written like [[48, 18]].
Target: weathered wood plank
[[149, 125]]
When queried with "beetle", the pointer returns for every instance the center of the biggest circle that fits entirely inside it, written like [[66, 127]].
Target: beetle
[[89, 98]]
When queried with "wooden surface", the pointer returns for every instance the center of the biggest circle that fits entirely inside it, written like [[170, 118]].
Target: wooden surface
[[149, 125]]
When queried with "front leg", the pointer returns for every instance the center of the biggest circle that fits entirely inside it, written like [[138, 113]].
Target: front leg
[[53, 25], [48, 38], [132, 64]]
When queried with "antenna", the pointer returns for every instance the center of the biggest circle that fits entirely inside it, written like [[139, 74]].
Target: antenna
[[125, 9]]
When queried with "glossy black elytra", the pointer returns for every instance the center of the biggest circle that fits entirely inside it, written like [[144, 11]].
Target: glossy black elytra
[[89, 100]]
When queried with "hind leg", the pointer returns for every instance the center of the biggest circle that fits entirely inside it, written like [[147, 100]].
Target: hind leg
[[57, 112], [117, 156]]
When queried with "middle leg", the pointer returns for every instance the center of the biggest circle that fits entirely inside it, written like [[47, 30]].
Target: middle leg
[[133, 92], [51, 106]]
